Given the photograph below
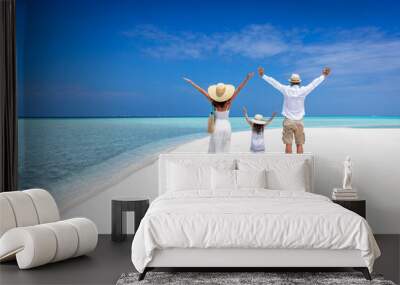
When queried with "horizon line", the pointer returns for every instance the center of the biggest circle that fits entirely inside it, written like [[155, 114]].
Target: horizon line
[[206, 116]]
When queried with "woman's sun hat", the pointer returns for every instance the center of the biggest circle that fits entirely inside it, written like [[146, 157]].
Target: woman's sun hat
[[295, 78], [258, 119], [221, 92]]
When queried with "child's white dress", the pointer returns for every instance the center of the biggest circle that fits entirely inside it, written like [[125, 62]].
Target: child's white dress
[[220, 139], [257, 141]]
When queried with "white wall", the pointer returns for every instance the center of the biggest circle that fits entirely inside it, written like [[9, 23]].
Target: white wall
[[376, 173], [142, 183]]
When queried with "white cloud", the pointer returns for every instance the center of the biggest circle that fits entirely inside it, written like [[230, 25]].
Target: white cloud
[[361, 60], [355, 55], [360, 56], [182, 45], [254, 41]]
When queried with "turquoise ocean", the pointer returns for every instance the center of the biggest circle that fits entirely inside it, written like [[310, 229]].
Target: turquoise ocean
[[59, 154]]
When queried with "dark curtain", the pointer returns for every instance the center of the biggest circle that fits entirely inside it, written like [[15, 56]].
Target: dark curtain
[[8, 98]]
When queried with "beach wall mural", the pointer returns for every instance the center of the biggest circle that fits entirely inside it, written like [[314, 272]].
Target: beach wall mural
[[101, 90]]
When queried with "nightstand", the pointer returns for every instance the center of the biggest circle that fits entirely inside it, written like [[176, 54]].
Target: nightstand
[[357, 206], [119, 207]]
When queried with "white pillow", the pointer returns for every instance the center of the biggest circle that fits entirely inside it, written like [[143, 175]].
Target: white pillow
[[293, 178], [223, 163], [223, 179], [251, 178], [184, 177]]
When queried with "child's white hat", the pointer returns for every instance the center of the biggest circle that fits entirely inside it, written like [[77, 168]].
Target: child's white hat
[[258, 119]]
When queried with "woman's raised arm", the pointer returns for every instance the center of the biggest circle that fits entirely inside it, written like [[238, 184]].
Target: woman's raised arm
[[201, 90], [240, 87]]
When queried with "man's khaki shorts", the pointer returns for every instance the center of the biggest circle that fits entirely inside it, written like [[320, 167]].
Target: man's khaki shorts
[[293, 128]]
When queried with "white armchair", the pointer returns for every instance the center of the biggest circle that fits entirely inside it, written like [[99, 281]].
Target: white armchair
[[32, 233]]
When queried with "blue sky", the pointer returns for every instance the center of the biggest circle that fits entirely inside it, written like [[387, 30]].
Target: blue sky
[[127, 58]]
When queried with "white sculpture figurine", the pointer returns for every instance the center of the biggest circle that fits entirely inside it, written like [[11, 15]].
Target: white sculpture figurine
[[347, 177]]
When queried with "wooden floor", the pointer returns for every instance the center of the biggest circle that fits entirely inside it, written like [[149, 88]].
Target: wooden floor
[[110, 260]]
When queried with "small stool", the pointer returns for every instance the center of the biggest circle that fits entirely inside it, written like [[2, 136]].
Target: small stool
[[119, 207]]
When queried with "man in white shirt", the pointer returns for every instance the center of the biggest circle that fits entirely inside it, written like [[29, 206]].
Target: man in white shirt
[[293, 106]]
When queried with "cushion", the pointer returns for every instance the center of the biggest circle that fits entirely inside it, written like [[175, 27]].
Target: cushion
[[223, 163], [32, 246], [26, 208], [46, 207], [40, 244], [181, 177], [7, 218], [87, 235], [290, 173], [67, 239], [23, 208], [251, 178], [223, 179], [290, 178]]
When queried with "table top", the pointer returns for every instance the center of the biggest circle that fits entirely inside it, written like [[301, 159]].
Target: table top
[[348, 200], [130, 199]]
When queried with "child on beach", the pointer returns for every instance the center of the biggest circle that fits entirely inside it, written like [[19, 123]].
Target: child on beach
[[257, 124]]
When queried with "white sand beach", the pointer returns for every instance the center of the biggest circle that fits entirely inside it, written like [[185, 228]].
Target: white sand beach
[[376, 172]]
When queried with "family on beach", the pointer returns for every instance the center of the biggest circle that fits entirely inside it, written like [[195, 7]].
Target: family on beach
[[222, 95]]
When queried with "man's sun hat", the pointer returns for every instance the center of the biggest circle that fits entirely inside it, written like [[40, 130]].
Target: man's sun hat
[[258, 119], [221, 92], [295, 78]]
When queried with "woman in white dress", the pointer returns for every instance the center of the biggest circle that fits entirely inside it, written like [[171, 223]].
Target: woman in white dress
[[221, 97]]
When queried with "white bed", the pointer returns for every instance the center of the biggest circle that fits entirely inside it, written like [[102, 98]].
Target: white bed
[[229, 210]]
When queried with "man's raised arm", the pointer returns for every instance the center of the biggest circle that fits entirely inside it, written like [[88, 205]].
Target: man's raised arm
[[317, 81], [277, 85]]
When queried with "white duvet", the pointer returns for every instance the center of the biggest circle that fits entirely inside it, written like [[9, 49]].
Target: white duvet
[[250, 219]]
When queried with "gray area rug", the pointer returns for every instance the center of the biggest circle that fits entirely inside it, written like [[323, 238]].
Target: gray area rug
[[269, 278]]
